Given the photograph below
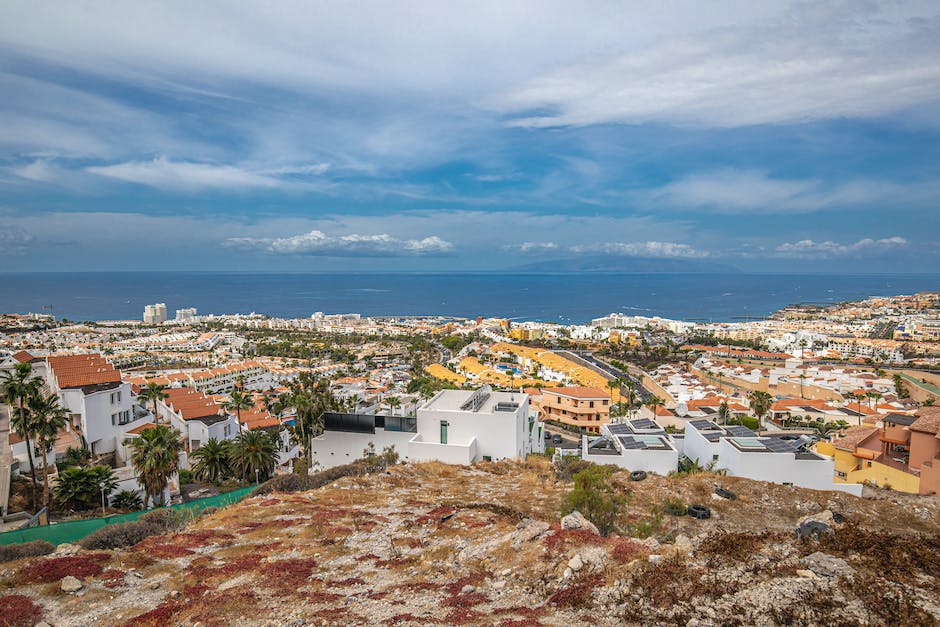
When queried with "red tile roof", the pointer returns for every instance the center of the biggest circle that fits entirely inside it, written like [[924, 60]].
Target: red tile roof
[[76, 371]]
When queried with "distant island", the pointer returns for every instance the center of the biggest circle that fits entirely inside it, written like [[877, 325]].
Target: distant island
[[607, 263]]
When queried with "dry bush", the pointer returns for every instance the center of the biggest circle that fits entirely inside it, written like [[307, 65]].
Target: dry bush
[[578, 594], [896, 557], [36, 548], [121, 535], [729, 547], [568, 466]]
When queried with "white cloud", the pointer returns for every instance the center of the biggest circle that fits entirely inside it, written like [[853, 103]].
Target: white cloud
[[163, 173], [14, 240], [532, 248], [815, 61], [642, 249], [753, 191], [319, 243], [812, 249]]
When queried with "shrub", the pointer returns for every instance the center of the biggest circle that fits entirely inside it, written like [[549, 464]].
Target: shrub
[[121, 535], [165, 519], [280, 483], [35, 548], [750, 422], [127, 500], [568, 466], [186, 476], [80, 487], [18, 610], [594, 497]]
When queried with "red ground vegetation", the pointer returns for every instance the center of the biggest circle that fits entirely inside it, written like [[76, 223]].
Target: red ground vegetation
[[55, 568], [18, 610], [434, 515]]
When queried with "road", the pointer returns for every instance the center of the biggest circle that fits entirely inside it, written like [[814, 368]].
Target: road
[[605, 369]]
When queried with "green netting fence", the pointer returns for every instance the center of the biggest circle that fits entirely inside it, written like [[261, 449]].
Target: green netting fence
[[74, 530]]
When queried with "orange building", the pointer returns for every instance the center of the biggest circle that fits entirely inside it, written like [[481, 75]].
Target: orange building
[[583, 407]]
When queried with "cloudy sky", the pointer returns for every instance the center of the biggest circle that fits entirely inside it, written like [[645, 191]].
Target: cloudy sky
[[772, 136]]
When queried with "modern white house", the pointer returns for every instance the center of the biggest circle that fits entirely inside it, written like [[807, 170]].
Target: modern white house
[[775, 458], [635, 445], [454, 426]]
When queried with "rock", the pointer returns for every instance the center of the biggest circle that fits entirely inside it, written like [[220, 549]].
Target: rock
[[567, 573], [499, 585], [176, 594], [654, 558], [467, 589], [66, 549], [575, 563], [42, 623], [576, 520], [827, 565], [806, 573], [506, 572], [526, 531], [682, 544], [70, 584], [154, 586], [824, 517], [595, 556], [651, 543]]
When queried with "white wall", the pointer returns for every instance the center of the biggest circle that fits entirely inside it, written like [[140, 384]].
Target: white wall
[[697, 447], [462, 454], [815, 474], [335, 448], [499, 435]]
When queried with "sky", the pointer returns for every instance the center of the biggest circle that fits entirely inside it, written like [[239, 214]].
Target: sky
[[460, 136]]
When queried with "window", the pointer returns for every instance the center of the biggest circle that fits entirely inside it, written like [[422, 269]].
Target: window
[[444, 425], [115, 397], [592, 404], [121, 418], [226, 430]]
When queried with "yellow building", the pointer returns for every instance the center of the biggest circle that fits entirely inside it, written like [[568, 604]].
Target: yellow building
[[858, 458]]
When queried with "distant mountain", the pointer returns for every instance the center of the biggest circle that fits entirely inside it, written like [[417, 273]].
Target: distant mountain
[[610, 263]]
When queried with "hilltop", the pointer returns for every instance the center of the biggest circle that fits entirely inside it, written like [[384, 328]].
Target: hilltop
[[438, 544]]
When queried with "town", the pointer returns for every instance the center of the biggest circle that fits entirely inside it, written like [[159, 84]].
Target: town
[[829, 398]]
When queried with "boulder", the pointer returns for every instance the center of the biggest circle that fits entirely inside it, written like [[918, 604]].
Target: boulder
[[576, 563], [827, 565], [66, 549], [576, 520], [70, 584], [526, 531], [824, 517]]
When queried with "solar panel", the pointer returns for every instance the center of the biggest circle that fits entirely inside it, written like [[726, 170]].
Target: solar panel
[[739, 431], [643, 423], [619, 429], [749, 443]]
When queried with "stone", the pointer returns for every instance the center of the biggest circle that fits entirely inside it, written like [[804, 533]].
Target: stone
[[176, 594], [651, 543], [825, 517], [66, 549], [576, 520], [42, 623], [682, 544], [70, 584], [499, 585], [506, 572], [467, 589], [567, 573], [595, 556], [808, 574], [154, 586], [526, 531], [827, 565], [654, 558], [576, 563]]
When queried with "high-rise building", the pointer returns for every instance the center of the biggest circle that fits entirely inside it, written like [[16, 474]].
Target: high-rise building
[[155, 314], [184, 315]]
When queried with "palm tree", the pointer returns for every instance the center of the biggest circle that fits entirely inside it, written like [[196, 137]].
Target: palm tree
[[899, 387], [724, 413], [155, 457], [393, 403], [254, 453], [154, 392], [760, 405], [238, 401], [802, 379], [17, 387], [212, 461], [310, 398], [654, 402], [873, 397], [48, 417]]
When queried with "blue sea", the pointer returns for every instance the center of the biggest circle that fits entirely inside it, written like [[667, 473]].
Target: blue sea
[[566, 298]]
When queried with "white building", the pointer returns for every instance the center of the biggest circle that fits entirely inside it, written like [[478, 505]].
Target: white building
[[775, 458], [635, 444], [155, 314], [454, 426], [186, 315]]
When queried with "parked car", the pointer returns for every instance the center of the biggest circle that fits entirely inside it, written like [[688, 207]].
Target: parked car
[[556, 439]]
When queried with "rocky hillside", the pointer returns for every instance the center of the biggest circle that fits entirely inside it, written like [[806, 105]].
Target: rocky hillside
[[436, 544]]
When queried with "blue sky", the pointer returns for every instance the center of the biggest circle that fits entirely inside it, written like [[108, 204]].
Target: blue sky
[[771, 136]]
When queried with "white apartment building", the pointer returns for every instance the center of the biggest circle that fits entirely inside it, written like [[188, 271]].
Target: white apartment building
[[635, 445], [454, 426], [775, 458], [186, 314], [155, 314]]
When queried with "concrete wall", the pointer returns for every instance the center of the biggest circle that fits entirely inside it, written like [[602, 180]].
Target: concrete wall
[[924, 447], [499, 435], [781, 468], [335, 448], [462, 454], [697, 447]]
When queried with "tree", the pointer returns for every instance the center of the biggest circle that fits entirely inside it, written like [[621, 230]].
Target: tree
[[724, 413], [155, 457], [899, 387], [127, 500], [760, 405], [654, 402], [212, 461], [17, 387], [48, 418], [802, 380], [309, 398], [238, 401], [254, 453], [594, 497], [873, 397], [154, 392], [81, 487]]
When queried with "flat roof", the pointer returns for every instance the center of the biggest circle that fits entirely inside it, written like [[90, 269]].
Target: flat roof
[[482, 401]]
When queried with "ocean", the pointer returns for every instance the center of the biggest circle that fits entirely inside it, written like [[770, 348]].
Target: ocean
[[565, 298]]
